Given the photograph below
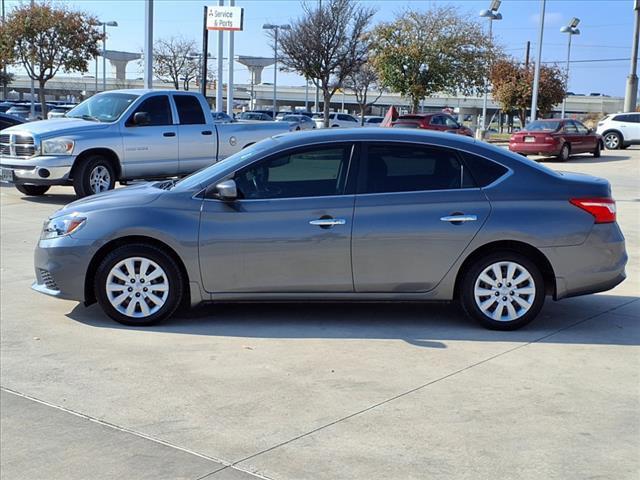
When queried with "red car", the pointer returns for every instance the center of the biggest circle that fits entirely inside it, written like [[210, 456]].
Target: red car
[[556, 138], [442, 122]]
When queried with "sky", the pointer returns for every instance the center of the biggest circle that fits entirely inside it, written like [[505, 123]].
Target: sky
[[606, 31]]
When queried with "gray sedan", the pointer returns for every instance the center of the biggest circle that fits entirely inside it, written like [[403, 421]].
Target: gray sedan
[[298, 122], [353, 215]]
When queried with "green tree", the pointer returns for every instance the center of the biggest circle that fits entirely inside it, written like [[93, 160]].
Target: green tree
[[512, 87], [6, 59], [326, 45], [46, 38], [435, 51]]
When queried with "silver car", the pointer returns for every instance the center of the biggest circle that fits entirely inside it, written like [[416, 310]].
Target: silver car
[[353, 215], [297, 122]]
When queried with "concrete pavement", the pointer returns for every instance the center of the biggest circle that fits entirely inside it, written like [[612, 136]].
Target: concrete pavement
[[319, 391]]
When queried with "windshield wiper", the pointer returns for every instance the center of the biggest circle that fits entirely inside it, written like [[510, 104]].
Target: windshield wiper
[[166, 185]]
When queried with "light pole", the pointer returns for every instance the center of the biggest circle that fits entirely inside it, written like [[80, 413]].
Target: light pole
[[276, 29], [104, 26], [536, 73], [571, 30], [492, 14]]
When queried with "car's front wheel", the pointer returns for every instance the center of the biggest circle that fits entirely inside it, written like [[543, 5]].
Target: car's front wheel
[[503, 291], [138, 285], [613, 141], [94, 175], [33, 190]]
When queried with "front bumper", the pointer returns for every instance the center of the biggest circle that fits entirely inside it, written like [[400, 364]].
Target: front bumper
[[61, 265], [596, 265], [39, 170], [535, 148]]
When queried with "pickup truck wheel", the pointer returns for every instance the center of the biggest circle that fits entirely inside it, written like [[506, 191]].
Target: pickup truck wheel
[[33, 190], [94, 175]]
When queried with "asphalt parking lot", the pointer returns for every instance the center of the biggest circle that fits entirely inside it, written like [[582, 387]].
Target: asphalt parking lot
[[319, 391]]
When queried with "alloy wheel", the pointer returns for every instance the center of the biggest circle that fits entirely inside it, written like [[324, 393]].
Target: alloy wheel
[[137, 287], [100, 179], [612, 141], [504, 291]]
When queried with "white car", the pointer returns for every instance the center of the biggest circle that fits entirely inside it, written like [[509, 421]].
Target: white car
[[372, 120], [620, 130], [336, 120]]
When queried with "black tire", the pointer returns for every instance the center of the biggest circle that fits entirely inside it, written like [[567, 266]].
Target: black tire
[[613, 140], [335, 126], [82, 183], [596, 152], [149, 252], [468, 283], [33, 190], [565, 152]]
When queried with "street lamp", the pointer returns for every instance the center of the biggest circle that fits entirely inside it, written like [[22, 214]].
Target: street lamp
[[571, 30], [104, 26], [275, 28], [492, 14]]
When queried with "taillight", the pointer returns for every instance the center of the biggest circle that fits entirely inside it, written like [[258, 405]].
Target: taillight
[[549, 138], [602, 209]]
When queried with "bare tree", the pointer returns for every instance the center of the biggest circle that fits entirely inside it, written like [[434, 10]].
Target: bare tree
[[173, 61], [361, 82], [326, 45]]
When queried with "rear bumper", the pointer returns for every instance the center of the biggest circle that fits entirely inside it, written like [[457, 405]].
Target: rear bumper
[[535, 148], [596, 265], [40, 170]]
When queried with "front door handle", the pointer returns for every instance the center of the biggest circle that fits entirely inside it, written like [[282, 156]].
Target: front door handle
[[328, 222], [459, 218], [169, 134], [206, 132]]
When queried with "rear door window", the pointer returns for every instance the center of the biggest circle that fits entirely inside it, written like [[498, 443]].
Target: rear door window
[[570, 127], [189, 110], [410, 168]]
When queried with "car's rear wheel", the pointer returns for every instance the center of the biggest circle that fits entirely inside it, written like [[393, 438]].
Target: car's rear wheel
[[94, 175], [33, 190], [612, 141], [503, 291], [138, 285], [565, 151]]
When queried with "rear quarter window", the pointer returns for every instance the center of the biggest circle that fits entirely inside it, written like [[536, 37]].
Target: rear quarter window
[[483, 170]]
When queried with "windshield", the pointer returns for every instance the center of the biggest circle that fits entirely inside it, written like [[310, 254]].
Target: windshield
[[542, 126], [105, 107], [201, 178], [251, 116]]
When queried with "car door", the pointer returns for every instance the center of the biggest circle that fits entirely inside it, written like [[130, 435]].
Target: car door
[[290, 228], [416, 210], [151, 149], [634, 123], [587, 137], [570, 134], [196, 139]]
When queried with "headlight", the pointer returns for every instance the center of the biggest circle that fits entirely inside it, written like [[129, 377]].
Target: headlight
[[61, 226], [57, 146]]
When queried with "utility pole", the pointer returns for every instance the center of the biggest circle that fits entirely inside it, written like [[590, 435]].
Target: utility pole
[[631, 92], [148, 44], [219, 106], [536, 75], [32, 112], [526, 55]]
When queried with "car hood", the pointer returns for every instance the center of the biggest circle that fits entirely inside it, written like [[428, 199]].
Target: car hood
[[122, 197], [56, 126]]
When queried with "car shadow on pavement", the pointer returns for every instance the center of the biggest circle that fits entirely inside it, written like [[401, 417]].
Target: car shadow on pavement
[[54, 199], [423, 325], [584, 159]]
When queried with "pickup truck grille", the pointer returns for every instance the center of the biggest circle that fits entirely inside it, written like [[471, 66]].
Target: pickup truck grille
[[23, 146]]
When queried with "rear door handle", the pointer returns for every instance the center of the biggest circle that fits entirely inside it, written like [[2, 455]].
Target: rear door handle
[[169, 134], [328, 222], [206, 132], [459, 218]]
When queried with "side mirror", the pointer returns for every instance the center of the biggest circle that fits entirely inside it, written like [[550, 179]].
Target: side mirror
[[227, 190], [141, 119]]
